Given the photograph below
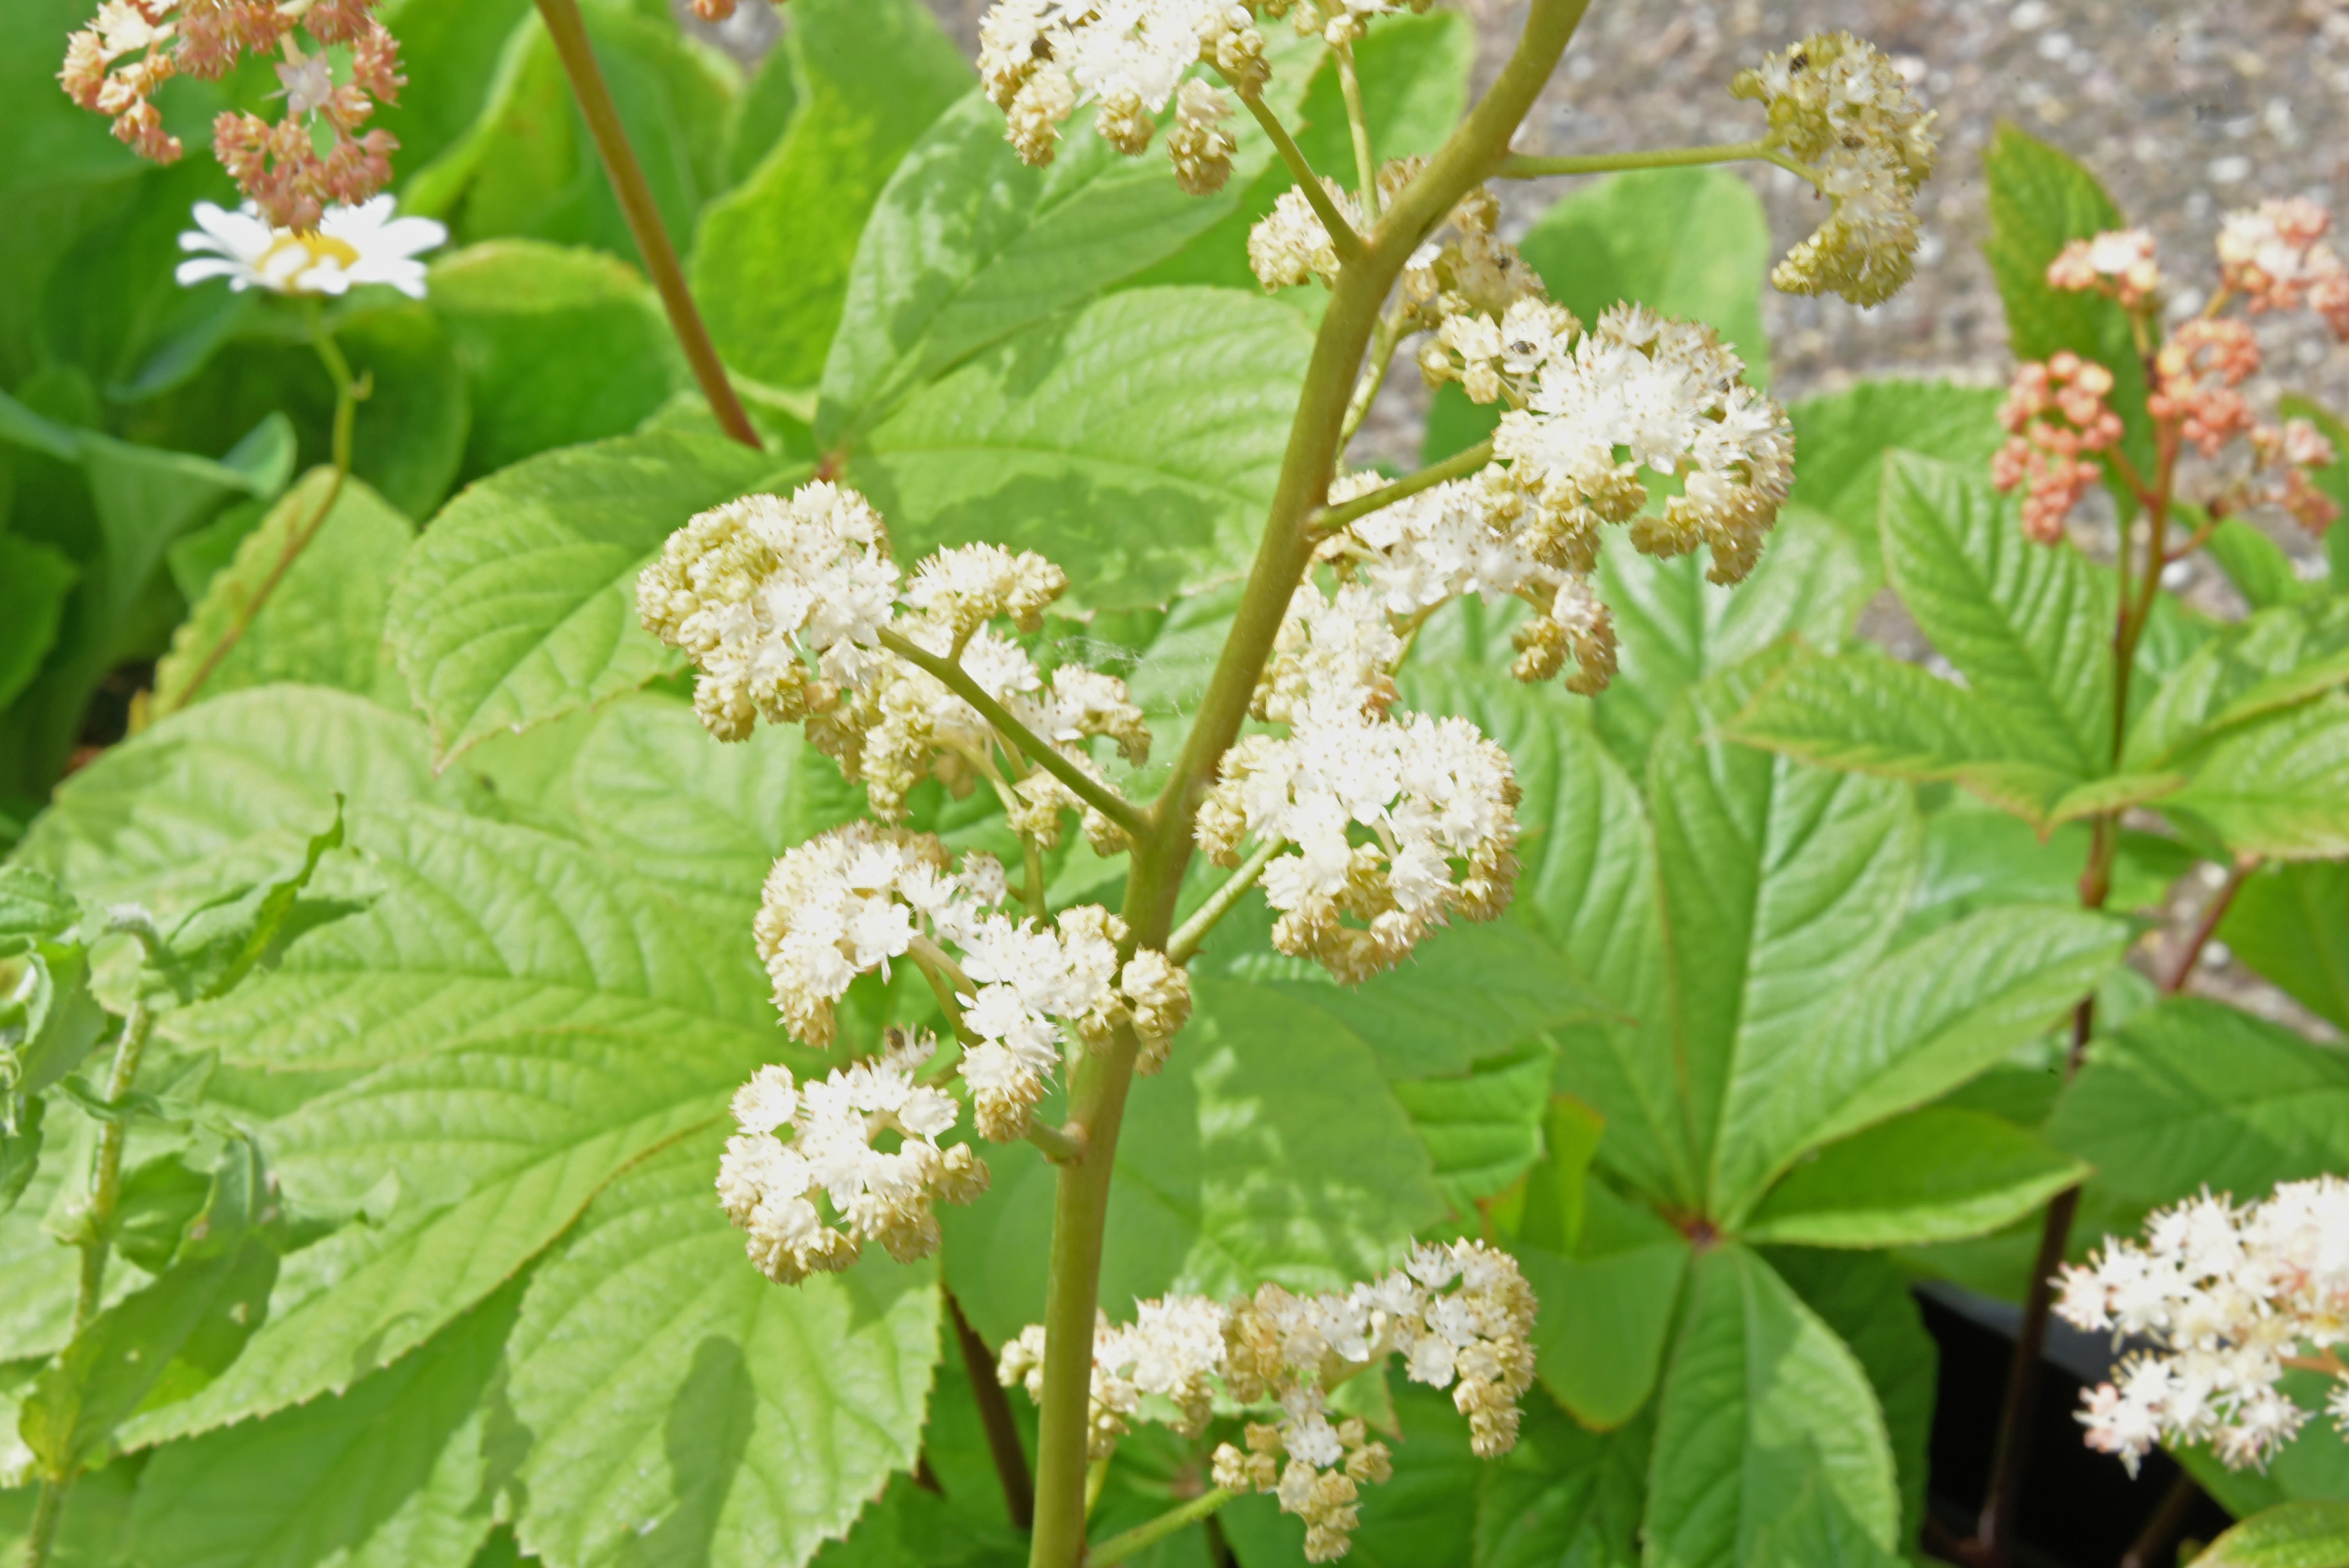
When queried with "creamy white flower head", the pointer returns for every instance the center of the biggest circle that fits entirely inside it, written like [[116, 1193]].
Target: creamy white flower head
[[1840, 107], [1290, 245], [1040, 60], [2227, 1298], [351, 247], [771, 1189]]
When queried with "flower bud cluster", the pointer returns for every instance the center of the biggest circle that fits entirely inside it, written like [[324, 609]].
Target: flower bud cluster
[[770, 1186], [2196, 375], [2056, 418], [1839, 107], [2275, 256], [1379, 809], [2229, 1299], [2119, 262], [1460, 1317], [850, 900], [780, 605], [1338, 23], [1038, 59], [1290, 245], [132, 47]]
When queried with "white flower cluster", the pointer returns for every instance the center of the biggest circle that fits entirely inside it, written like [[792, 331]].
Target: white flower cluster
[[1839, 107], [1338, 22], [851, 900], [769, 1187], [780, 605], [2230, 1299], [1378, 806], [1461, 1316], [1290, 245], [1038, 59]]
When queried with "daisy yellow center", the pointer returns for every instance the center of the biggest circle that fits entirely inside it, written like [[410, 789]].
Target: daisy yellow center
[[314, 247]]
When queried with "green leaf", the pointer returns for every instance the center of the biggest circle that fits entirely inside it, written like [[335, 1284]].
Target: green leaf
[[1676, 628], [1864, 1298], [1563, 1495], [399, 1470], [1819, 1532], [2273, 660], [1136, 442], [1782, 885], [1628, 237], [1482, 1129], [969, 245], [683, 1408], [2040, 199], [95, 1519], [519, 604], [34, 582], [1469, 992], [156, 1346], [301, 600], [559, 346], [2192, 1093], [2296, 1535], [1268, 1150], [1760, 1398], [771, 261], [1932, 1175], [912, 1527], [20, 1153], [32, 905], [1846, 436], [515, 1019], [2277, 789], [449, 50], [2258, 567], [61, 1020], [1607, 1314], [653, 790], [1918, 1023], [2290, 922], [2025, 624]]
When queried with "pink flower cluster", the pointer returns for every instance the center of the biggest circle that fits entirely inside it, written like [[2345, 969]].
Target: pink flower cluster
[[132, 47], [2196, 375], [2275, 256], [2118, 262], [2055, 417]]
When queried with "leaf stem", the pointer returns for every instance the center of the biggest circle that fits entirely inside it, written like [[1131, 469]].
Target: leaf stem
[[569, 32], [2206, 926], [1343, 239], [1366, 391], [995, 1418], [1328, 519], [2168, 1519], [1118, 1548], [1191, 935], [1102, 799], [1366, 165], [1061, 1146]]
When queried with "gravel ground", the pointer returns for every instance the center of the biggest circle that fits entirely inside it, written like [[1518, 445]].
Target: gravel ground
[[2186, 109]]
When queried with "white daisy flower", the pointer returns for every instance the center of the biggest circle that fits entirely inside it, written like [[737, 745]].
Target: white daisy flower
[[351, 246]]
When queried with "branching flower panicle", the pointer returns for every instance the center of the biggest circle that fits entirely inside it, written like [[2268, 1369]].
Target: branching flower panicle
[[2229, 1299], [318, 155], [770, 1187], [1838, 107], [782, 606], [1039, 60], [2276, 257], [1459, 1317]]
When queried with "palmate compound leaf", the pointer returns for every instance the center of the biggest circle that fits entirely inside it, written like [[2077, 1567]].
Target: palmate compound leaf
[[400, 1471], [1761, 1397], [1134, 441], [1932, 1175], [1268, 1150], [2311, 1535], [685, 1411], [519, 604], [512, 1021], [2192, 1093], [1564, 1495]]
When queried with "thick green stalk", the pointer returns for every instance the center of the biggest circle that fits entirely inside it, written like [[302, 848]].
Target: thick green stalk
[[565, 26], [1527, 167], [1099, 1083]]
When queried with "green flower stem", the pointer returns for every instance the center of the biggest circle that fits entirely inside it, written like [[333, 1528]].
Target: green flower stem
[[1347, 244], [1521, 166], [1118, 1548], [95, 1236], [1383, 343], [1328, 519], [565, 26], [1161, 851], [1101, 798], [943, 975], [1366, 165], [1061, 1146], [1184, 944]]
